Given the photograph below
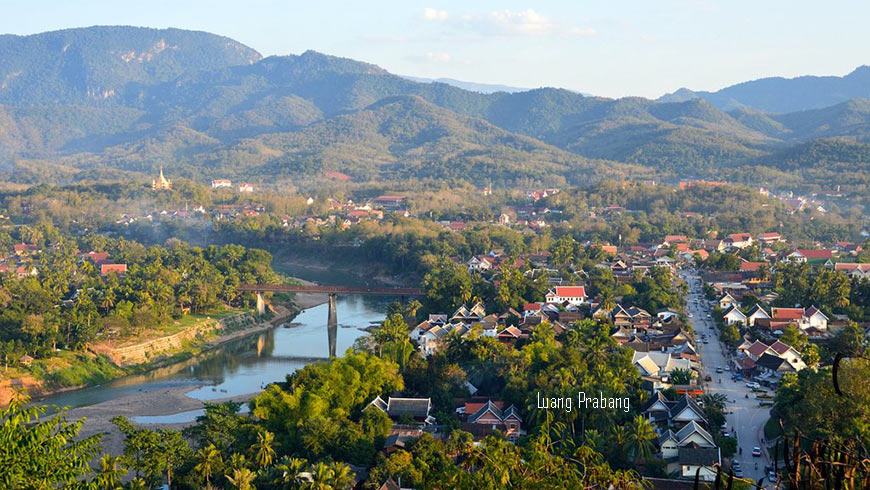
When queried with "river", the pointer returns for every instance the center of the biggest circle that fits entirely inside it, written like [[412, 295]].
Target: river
[[246, 365]]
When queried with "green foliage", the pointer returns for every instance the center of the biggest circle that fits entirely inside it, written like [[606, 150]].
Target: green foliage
[[43, 453]]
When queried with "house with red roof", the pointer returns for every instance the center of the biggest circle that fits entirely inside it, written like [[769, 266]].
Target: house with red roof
[[106, 269], [574, 295], [22, 249], [739, 240], [768, 238], [746, 266]]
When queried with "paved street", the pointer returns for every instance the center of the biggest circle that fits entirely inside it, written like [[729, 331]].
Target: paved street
[[746, 416]]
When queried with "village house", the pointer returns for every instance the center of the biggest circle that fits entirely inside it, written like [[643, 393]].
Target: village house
[[768, 238], [246, 187], [809, 256], [852, 269], [739, 241], [573, 295], [733, 316], [119, 269], [483, 419], [727, 300], [218, 183], [390, 202], [24, 249], [405, 409], [655, 368]]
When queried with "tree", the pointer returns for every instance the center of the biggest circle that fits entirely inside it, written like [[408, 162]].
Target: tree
[[264, 448], [38, 453], [640, 437], [110, 473], [242, 479], [208, 460], [681, 376], [447, 286], [792, 336]]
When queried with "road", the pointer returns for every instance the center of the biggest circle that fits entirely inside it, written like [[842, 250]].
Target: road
[[745, 415]]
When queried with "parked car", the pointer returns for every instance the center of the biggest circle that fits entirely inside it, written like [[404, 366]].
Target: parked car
[[753, 385], [738, 472], [719, 370], [756, 451]]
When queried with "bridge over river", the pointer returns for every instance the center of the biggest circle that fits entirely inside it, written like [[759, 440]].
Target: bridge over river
[[332, 292]]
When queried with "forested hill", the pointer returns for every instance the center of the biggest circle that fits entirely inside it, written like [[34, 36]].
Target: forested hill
[[777, 94], [97, 64], [124, 99]]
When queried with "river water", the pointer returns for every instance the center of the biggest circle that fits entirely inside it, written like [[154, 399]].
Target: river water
[[246, 365]]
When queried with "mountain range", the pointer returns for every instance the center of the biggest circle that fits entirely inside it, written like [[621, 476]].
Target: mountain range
[[108, 101]]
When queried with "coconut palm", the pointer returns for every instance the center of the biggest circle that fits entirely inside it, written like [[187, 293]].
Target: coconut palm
[[242, 479], [342, 477], [288, 468], [264, 448], [110, 473], [640, 437], [209, 459]]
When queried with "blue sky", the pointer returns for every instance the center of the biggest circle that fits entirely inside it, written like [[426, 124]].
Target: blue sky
[[611, 48]]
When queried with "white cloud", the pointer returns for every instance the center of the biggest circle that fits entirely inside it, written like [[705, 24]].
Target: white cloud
[[438, 57], [526, 22], [435, 14]]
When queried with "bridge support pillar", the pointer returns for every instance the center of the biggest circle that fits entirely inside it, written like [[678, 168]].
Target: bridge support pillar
[[261, 305], [332, 325]]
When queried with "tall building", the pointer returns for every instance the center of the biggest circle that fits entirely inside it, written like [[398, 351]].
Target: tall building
[[161, 183]]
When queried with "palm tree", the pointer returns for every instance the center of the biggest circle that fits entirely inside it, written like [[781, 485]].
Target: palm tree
[[111, 472], [263, 449], [321, 476], [640, 437], [289, 469], [342, 477], [209, 458], [242, 479]]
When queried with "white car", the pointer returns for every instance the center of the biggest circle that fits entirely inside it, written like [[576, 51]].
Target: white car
[[753, 385]]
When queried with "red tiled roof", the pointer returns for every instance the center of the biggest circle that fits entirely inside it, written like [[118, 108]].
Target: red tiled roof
[[750, 266], [787, 313], [780, 347], [570, 291], [611, 249], [816, 254], [740, 237], [758, 348], [531, 306], [746, 363], [110, 268]]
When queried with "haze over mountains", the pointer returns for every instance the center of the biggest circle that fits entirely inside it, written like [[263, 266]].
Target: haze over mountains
[[79, 103]]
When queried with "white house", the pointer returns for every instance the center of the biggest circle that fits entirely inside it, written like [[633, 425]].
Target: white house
[[756, 313], [727, 300], [575, 295], [479, 264], [813, 318], [739, 240], [733, 316], [246, 187]]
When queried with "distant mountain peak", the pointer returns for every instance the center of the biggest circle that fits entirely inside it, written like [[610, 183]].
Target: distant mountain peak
[[783, 95]]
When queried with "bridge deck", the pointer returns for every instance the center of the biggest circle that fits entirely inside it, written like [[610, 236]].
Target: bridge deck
[[384, 291]]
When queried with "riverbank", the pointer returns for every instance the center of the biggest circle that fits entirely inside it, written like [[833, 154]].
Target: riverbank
[[81, 365], [161, 402]]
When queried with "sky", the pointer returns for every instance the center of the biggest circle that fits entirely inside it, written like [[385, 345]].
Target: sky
[[611, 48]]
